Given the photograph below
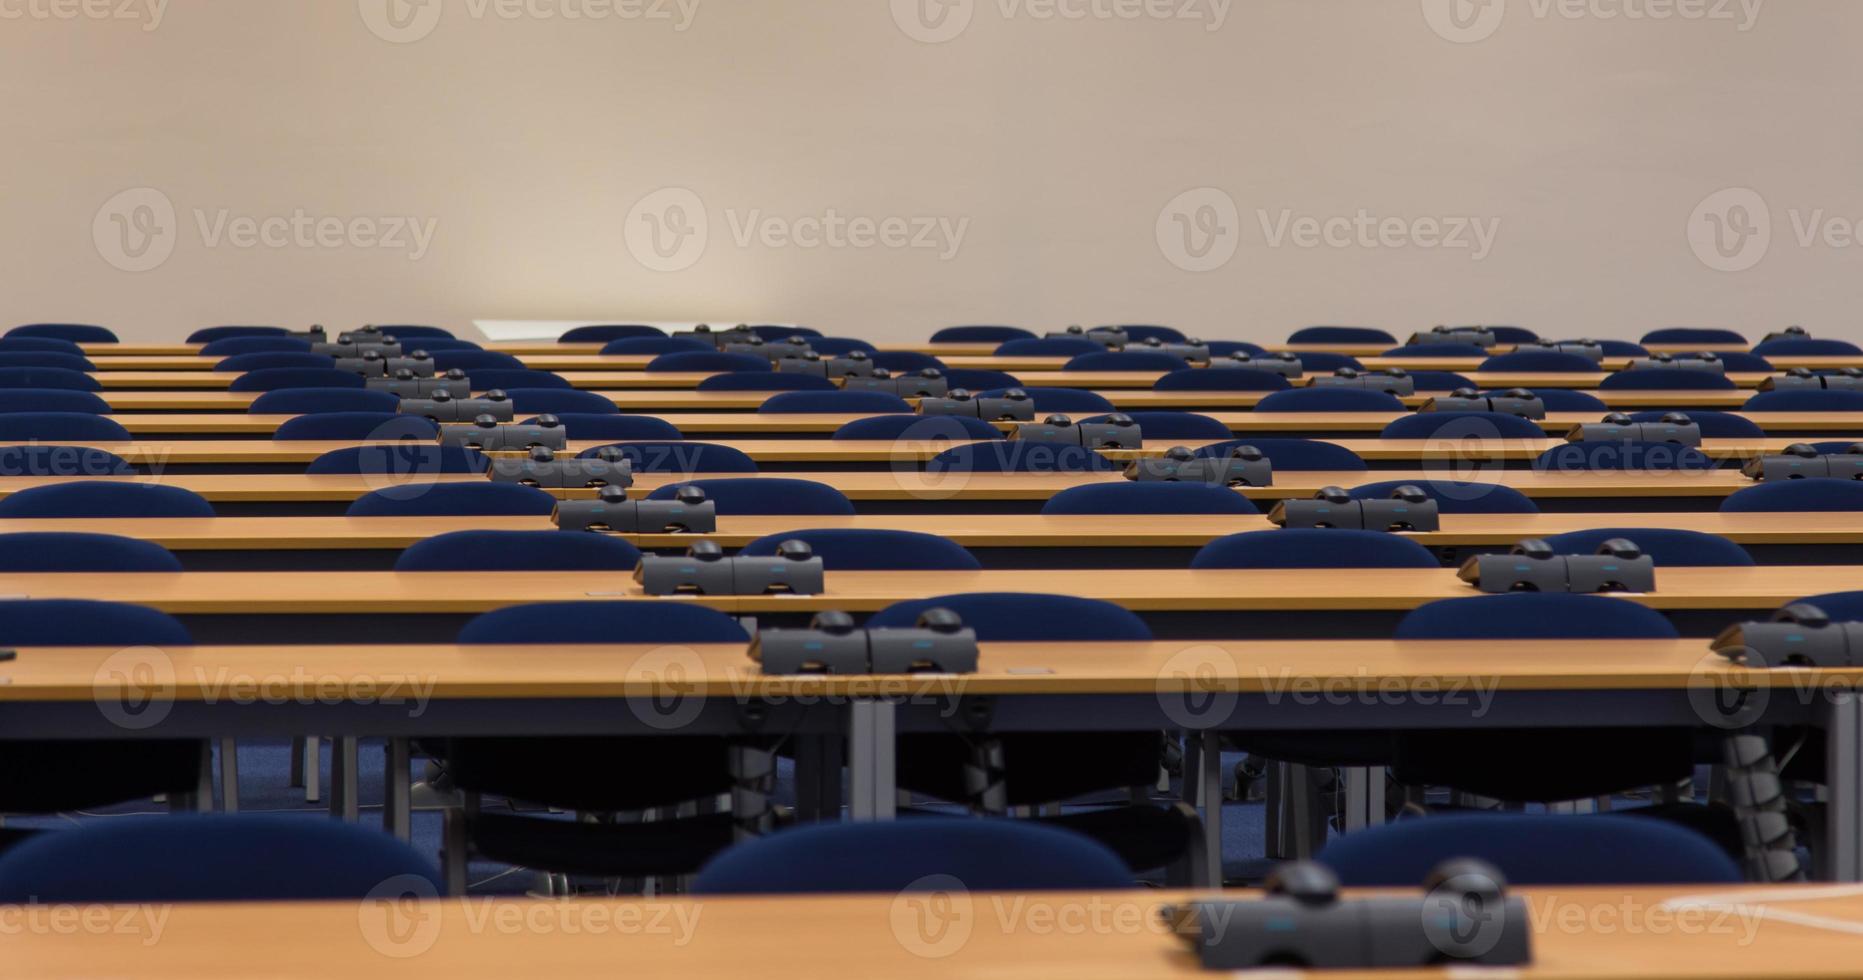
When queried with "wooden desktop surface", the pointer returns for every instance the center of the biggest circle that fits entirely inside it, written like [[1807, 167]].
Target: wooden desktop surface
[[914, 484], [264, 451], [314, 533], [1614, 933], [1158, 590]]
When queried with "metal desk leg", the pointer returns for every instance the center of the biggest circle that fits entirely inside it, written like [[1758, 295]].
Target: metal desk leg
[[1210, 787], [398, 798], [229, 775], [872, 751], [1843, 732], [344, 752], [1364, 797]]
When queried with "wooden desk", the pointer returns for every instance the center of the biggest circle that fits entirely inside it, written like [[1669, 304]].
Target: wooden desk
[[1159, 590], [1580, 934]]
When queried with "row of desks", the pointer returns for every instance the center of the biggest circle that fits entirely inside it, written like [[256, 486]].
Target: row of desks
[[686, 380], [1803, 933]]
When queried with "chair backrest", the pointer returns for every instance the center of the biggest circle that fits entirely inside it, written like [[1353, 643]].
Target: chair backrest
[[840, 346], [767, 381], [672, 456], [1174, 425], [1307, 548], [455, 499], [714, 361], [1440, 381], [49, 377], [1739, 360], [919, 428], [1513, 335], [1706, 337], [87, 623], [40, 344], [755, 496], [1807, 348], [519, 551], [1074, 401], [212, 858], [979, 379], [45, 551], [268, 360], [77, 333], [1462, 425], [1616, 348], [1814, 400], [1787, 496], [1533, 850], [1049, 347], [1330, 400], [876, 550], [512, 379], [356, 427], [315, 401], [1612, 456], [1437, 350], [1128, 360], [1149, 498], [1294, 454], [207, 335], [1534, 616], [68, 426], [834, 403], [1341, 335], [235, 346], [1652, 379], [1324, 363], [434, 345], [935, 854], [981, 335], [1567, 400], [1458, 498], [1002, 456], [43, 460], [98, 499], [900, 361], [45, 359], [1008, 617], [409, 459], [1840, 606], [559, 401], [655, 345], [609, 333], [473, 360], [618, 428], [1225, 379], [273, 379], [1665, 545], [1550, 361], [563, 623]]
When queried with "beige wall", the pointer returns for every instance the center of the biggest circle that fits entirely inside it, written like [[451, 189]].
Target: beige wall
[[1584, 142]]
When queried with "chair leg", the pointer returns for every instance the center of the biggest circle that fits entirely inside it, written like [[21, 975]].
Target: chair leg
[[345, 758], [397, 805], [309, 753], [454, 851]]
